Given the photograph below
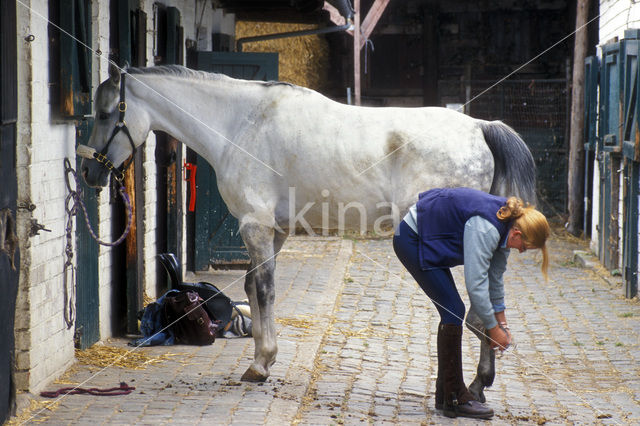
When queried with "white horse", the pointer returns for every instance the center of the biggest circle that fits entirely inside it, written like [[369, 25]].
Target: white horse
[[288, 157]]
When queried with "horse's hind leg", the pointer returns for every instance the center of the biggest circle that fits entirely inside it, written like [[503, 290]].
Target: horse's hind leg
[[260, 289], [487, 365]]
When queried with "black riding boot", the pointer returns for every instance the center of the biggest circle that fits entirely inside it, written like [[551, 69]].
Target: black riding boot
[[457, 401], [439, 390]]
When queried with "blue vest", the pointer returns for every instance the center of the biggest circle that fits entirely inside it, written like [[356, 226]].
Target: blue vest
[[442, 214]]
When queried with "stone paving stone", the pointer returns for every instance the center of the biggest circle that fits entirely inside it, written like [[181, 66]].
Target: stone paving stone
[[368, 354], [561, 367]]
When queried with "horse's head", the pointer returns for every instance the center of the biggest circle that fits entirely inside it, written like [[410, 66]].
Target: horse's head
[[118, 129]]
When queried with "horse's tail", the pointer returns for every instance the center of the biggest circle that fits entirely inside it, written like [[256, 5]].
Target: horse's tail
[[514, 168]]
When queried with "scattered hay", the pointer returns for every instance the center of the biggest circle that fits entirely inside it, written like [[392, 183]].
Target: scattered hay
[[36, 412], [305, 322], [106, 356], [533, 418], [363, 333], [146, 299]]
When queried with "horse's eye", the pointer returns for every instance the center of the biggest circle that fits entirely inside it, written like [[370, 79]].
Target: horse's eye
[[103, 116]]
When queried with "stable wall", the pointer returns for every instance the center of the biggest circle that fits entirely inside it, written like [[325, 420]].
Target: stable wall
[[616, 16], [44, 344]]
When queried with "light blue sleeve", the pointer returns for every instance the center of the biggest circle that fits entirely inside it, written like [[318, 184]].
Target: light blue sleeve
[[497, 268], [483, 269]]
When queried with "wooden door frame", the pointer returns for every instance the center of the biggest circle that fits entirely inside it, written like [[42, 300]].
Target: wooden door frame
[[169, 233], [132, 50], [9, 259]]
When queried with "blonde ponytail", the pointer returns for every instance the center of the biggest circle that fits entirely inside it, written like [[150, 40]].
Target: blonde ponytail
[[512, 209], [533, 225]]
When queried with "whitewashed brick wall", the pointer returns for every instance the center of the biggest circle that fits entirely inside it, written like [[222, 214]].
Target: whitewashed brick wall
[[616, 16], [44, 345]]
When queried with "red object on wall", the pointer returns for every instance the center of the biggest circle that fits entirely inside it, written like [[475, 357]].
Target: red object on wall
[[191, 168]]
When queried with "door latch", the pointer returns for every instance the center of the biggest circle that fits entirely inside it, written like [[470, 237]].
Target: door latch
[[36, 228]]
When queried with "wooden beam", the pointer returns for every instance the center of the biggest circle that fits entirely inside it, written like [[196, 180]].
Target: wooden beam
[[575, 193], [369, 23], [371, 20], [334, 14], [430, 54]]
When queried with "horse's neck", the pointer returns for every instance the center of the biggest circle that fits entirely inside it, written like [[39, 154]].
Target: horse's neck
[[204, 115]]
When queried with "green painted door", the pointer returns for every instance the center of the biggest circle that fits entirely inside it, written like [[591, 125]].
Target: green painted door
[[631, 154], [75, 84], [215, 237], [592, 73], [608, 153], [87, 297], [9, 253]]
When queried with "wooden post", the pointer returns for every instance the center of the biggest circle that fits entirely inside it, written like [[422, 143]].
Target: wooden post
[[356, 52], [575, 193], [372, 18], [430, 54]]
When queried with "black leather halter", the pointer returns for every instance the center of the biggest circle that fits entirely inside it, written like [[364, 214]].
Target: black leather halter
[[121, 125]]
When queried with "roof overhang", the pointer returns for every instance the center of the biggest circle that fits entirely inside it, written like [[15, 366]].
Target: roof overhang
[[303, 11]]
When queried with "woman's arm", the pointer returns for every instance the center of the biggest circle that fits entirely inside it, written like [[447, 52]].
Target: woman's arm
[[481, 240], [497, 267]]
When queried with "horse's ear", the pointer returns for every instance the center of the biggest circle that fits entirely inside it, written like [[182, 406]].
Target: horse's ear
[[114, 74]]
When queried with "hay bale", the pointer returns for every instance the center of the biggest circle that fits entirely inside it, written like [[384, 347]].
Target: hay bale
[[303, 61]]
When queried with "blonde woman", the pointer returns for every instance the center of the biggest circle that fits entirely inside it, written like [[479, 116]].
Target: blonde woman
[[462, 226]]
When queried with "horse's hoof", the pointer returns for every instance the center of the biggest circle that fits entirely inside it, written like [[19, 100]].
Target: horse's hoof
[[477, 390], [253, 375]]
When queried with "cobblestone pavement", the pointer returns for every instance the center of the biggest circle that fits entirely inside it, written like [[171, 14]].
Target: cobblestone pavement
[[576, 359], [357, 344]]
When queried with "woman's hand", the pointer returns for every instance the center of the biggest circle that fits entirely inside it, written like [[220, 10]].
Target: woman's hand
[[500, 336]]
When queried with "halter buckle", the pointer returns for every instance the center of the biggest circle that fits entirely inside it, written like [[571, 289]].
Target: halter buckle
[[101, 158], [122, 106]]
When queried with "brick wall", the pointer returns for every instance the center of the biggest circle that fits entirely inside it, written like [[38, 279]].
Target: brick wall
[[44, 345], [617, 16]]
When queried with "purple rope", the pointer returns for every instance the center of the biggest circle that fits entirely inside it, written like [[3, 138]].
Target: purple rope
[[123, 389], [77, 201]]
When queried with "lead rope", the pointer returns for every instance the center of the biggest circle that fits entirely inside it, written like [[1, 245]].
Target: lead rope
[[73, 200]]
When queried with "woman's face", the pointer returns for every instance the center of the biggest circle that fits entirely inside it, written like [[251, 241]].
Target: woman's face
[[515, 240]]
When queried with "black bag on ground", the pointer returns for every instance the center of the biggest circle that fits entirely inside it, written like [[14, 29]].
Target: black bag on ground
[[218, 305], [189, 320]]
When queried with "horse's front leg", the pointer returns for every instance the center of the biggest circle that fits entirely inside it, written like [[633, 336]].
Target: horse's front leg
[[260, 289], [487, 365]]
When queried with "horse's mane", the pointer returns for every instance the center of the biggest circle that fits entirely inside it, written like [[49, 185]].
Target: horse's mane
[[188, 73]]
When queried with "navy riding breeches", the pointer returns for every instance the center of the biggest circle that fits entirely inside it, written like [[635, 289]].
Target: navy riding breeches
[[438, 284]]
